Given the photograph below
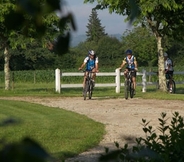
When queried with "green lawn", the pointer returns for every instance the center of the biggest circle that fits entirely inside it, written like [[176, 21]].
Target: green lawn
[[60, 132]]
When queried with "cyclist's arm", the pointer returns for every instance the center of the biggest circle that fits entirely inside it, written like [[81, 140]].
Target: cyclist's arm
[[96, 64], [135, 62], [82, 66], [123, 64], [84, 63], [96, 67]]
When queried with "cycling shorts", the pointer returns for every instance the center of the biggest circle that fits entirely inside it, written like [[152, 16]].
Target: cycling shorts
[[169, 74], [133, 72]]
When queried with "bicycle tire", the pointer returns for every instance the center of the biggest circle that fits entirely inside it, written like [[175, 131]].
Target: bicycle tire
[[126, 86], [86, 90], [173, 87], [90, 90], [168, 86], [131, 90]]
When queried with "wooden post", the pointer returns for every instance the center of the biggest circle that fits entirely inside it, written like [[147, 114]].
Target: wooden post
[[143, 80], [57, 80], [118, 82]]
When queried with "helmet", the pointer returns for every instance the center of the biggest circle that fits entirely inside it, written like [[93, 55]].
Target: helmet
[[165, 54], [91, 52], [128, 51]]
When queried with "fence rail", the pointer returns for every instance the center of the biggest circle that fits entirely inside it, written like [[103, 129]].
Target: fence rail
[[117, 83]]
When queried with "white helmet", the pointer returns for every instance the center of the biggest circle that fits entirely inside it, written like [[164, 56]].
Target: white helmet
[[165, 54], [91, 52]]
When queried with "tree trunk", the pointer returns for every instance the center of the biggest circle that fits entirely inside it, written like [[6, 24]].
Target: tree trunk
[[161, 69], [6, 69]]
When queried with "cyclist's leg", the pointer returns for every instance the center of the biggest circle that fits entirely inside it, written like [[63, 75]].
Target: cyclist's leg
[[84, 80], [93, 76], [167, 78], [171, 80], [134, 80], [125, 72]]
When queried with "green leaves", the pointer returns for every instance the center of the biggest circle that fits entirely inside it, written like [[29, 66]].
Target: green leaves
[[167, 146], [36, 20]]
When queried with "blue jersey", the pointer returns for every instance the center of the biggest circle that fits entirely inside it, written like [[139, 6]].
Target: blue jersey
[[90, 63], [130, 62]]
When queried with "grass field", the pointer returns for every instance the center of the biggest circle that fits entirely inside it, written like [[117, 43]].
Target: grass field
[[48, 90], [61, 132]]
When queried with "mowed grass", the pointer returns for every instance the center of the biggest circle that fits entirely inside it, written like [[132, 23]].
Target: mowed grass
[[62, 133], [48, 90]]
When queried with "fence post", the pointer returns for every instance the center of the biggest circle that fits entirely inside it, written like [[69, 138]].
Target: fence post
[[118, 82], [143, 80], [57, 80]]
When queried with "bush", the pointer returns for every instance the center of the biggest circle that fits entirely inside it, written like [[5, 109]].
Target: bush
[[167, 146]]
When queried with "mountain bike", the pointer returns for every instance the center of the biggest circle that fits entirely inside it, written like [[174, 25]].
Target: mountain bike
[[173, 85], [89, 85], [129, 86]]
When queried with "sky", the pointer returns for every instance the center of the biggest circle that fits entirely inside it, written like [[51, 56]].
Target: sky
[[113, 23]]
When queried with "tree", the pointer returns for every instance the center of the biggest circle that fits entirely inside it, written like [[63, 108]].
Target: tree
[[143, 43], [25, 21], [162, 17], [109, 52], [95, 30]]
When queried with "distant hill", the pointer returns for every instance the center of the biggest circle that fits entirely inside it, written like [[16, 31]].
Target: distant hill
[[81, 38]]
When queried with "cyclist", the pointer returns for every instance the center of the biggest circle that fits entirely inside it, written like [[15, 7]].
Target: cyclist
[[91, 62], [168, 70], [131, 62]]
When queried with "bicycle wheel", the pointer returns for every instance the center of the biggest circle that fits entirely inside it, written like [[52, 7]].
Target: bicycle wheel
[[168, 85], [131, 90], [126, 89], [90, 90], [86, 90], [173, 87]]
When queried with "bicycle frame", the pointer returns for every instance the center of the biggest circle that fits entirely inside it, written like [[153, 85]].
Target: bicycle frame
[[129, 87], [168, 84], [173, 85], [88, 85]]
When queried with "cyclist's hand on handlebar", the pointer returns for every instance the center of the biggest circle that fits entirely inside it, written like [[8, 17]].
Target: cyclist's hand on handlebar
[[97, 71], [80, 68], [136, 69]]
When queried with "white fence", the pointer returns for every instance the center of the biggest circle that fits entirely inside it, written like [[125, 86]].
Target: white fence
[[116, 74]]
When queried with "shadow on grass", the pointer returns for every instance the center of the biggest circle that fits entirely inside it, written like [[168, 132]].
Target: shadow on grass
[[179, 89]]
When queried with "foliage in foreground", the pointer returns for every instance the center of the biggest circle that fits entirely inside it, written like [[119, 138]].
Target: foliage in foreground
[[167, 146]]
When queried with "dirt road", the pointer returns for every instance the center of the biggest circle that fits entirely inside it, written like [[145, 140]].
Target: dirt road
[[121, 117]]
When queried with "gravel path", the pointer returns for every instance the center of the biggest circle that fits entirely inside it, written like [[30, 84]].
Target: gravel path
[[121, 117]]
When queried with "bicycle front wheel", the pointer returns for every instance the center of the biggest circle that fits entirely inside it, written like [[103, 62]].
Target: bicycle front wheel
[[173, 87], [90, 90], [126, 89], [86, 90]]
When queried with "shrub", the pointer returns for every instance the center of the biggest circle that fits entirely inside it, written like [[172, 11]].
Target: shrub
[[165, 146]]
